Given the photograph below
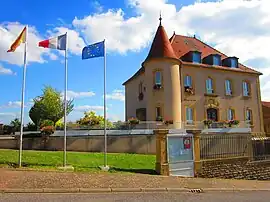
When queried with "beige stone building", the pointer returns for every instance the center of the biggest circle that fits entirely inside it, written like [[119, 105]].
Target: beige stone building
[[187, 81]]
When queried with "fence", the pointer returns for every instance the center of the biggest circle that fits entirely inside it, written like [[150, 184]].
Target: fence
[[230, 146]]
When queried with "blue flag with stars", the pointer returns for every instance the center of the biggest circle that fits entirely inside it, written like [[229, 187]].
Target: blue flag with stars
[[93, 50]]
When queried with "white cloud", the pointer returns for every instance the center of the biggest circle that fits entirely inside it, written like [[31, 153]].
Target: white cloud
[[88, 108], [4, 114], [237, 27], [116, 95], [73, 94], [6, 71], [75, 42], [15, 104], [9, 32]]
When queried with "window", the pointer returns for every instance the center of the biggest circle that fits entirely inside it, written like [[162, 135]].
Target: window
[[158, 78], [228, 87], [188, 81], [248, 116], [246, 89], [216, 60], [233, 63], [231, 114], [140, 88], [189, 115], [209, 86], [158, 112], [196, 57]]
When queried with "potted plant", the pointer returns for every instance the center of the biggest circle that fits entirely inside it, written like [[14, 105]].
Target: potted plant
[[157, 86], [159, 118], [133, 121], [231, 123], [207, 122], [140, 96], [189, 90], [167, 122]]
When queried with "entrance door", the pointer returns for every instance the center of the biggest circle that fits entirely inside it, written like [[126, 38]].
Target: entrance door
[[180, 155], [212, 114]]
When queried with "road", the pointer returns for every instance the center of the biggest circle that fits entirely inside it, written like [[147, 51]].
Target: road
[[258, 196]]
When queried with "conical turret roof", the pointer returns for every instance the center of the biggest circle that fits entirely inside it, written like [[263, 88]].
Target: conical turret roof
[[161, 46]]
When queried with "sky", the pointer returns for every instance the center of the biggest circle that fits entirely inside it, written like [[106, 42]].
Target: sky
[[235, 27]]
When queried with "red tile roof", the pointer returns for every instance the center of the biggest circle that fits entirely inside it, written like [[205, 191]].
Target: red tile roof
[[184, 44], [161, 46], [266, 104], [179, 45]]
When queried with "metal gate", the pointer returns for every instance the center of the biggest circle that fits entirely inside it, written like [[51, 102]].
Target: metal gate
[[180, 150]]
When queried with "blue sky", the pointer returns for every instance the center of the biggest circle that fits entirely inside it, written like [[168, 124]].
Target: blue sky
[[129, 27]]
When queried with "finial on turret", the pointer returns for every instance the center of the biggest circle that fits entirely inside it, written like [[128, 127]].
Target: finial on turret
[[160, 18]]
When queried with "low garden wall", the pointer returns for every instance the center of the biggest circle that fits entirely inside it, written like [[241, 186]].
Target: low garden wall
[[131, 143], [235, 169]]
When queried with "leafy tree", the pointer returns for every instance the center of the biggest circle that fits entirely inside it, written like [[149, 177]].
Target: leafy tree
[[31, 126], [49, 106], [16, 124], [93, 120]]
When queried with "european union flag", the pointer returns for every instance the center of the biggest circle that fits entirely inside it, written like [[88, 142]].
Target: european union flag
[[93, 50]]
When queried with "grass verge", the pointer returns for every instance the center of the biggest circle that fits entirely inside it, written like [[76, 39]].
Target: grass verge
[[81, 161]]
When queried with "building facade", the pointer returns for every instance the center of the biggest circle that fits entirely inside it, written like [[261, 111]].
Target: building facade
[[187, 81]]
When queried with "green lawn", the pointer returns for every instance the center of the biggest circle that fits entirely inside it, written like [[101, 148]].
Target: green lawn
[[81, 161]]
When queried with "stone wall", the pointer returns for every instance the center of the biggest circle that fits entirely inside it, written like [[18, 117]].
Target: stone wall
[[235, 169], [140, 144]]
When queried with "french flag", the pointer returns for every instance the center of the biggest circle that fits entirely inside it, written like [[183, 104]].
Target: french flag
[[59, 43]]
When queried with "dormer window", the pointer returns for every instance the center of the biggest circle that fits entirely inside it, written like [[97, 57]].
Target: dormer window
[[212, 59], [234, 63], [230, 62], [196, 57], [216, 60]]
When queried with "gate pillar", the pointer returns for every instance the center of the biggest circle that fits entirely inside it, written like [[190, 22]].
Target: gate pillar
[[162, 166]]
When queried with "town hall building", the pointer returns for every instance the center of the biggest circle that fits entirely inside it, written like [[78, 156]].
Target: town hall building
[[187, 81]]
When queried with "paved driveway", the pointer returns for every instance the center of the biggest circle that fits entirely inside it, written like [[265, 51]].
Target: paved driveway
[[247, 196]]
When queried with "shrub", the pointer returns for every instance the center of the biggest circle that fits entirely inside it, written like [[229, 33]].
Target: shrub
[[46, 123], [207, 122], [232, 122], [47, 130], [133, 120]]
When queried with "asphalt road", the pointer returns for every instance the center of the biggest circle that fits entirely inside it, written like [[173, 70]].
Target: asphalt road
[[258, 196]]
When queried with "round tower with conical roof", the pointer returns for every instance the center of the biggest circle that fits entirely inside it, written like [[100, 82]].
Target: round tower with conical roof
[[163, 80]]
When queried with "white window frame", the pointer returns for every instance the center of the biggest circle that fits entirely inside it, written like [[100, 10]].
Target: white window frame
[[188, 81], [230, 115], [246, 88], [228, 87], [189, 115], [156, 76], [157, 112], [209, 86], [248, 114]]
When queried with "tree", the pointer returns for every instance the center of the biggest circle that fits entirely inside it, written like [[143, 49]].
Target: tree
[[16, 124], [49, 106], [93, 120]]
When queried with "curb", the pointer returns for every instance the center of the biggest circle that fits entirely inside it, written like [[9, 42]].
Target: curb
[[130, 190]]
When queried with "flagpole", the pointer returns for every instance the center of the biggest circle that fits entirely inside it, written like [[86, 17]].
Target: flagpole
[[22, 102], [65, 108], [105, 114]]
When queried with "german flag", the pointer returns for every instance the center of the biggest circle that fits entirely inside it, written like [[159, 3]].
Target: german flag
[[21, 39]]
